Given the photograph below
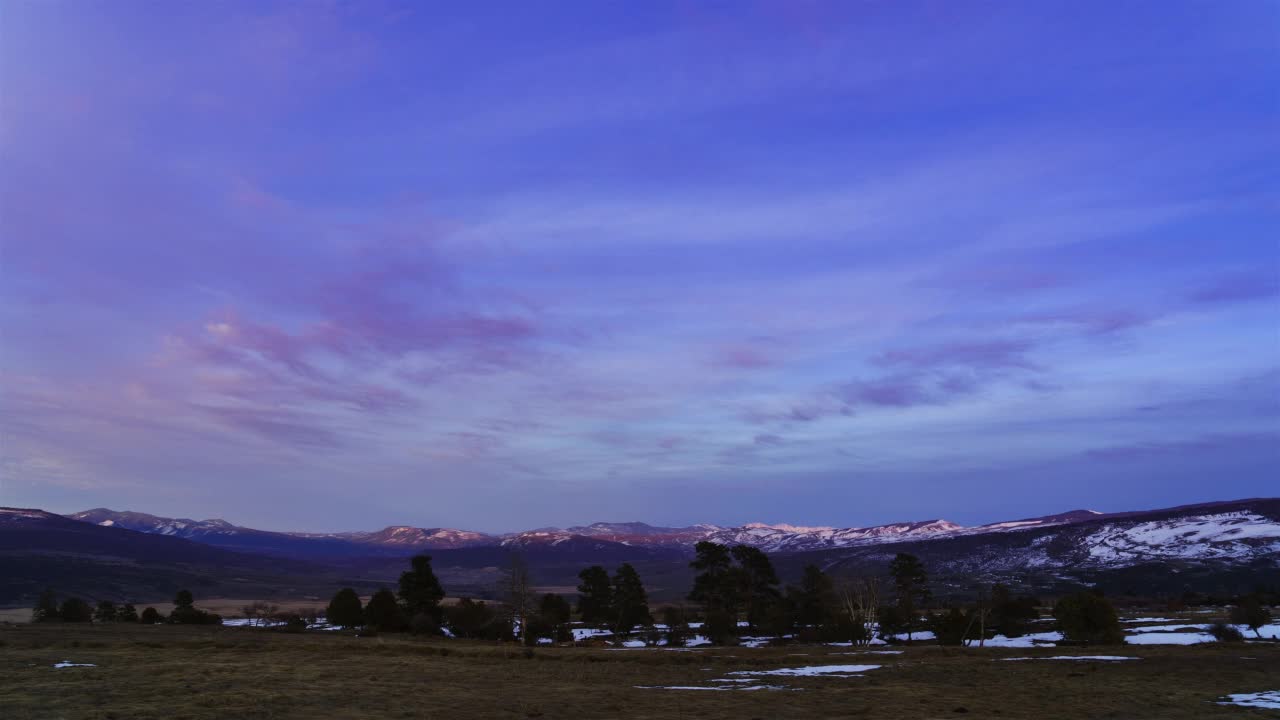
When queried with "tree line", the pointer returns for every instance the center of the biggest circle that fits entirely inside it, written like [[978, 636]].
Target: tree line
[[734, 587], [74, 609]]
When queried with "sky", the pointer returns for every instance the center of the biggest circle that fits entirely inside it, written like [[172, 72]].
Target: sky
[[491, 265]]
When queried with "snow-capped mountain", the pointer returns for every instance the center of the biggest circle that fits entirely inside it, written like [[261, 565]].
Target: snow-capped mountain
[[1242, 529], [154, 525], [416, 537], [394, 540]]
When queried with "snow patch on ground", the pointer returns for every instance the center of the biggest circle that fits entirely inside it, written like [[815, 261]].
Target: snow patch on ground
[[1026, 641], [1074, 657], [1169, 638], [710, 687], [813, 671], [1266, 699], [68, 663]]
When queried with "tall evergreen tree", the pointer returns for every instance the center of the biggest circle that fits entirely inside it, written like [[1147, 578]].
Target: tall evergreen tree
[[345, 609], [912, 585], [46, 609], [630, 600], [554, 609], [420, 590], [722, 587], [716, 585], [815, 599], [383, 612], [183, 600], [759, 584], [595, 595]]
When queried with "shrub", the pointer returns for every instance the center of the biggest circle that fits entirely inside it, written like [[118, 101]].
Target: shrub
[[293, 623], [46, 609], [677, 625], [75, 610], [151, 616], [383, 613], [950, 627], [1088, 617], [424, 624], [471, 619], [721, 627], [345, 609], [1251, 612], [106, 612], [1223, 632]]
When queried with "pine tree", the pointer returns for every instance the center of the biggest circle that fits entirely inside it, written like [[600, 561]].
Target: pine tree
[[183, 600], [815, 604], [912, 585], [717, 583], [595, 596], [630, 600], [420, 590], [759, 584], [46, 609], [383, 612], [345, 609], [555, 609]]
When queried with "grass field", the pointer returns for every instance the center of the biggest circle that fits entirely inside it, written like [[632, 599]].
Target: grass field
[[178, 672]]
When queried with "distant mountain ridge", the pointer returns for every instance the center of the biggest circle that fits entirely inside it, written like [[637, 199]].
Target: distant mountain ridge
[[1219, 547], [400, 540]]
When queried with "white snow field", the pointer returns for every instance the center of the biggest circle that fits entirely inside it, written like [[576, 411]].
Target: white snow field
[[1217, 535], [1269, 699]]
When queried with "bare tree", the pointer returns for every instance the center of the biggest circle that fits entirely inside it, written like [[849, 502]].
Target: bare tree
[[259, 611], [860, 600], [518, 590], [982, 611]]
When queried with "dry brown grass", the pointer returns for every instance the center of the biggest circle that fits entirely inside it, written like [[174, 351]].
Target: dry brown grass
[[205, 673]]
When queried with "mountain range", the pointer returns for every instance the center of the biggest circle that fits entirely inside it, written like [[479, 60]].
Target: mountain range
[[399, 539], [132, 555]]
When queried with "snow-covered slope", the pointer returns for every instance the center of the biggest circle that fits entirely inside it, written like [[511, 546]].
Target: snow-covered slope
[[416, 537], [1229, 535]]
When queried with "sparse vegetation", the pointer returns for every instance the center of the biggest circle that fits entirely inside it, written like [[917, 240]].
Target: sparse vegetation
[[1088, 617], [1251, 613], [1222, 632], [250, 674]]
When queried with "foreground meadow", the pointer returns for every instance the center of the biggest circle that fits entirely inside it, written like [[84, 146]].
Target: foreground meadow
[[177, 672]]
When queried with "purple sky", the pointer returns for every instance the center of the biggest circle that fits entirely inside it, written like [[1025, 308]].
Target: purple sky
[[504, 265]]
